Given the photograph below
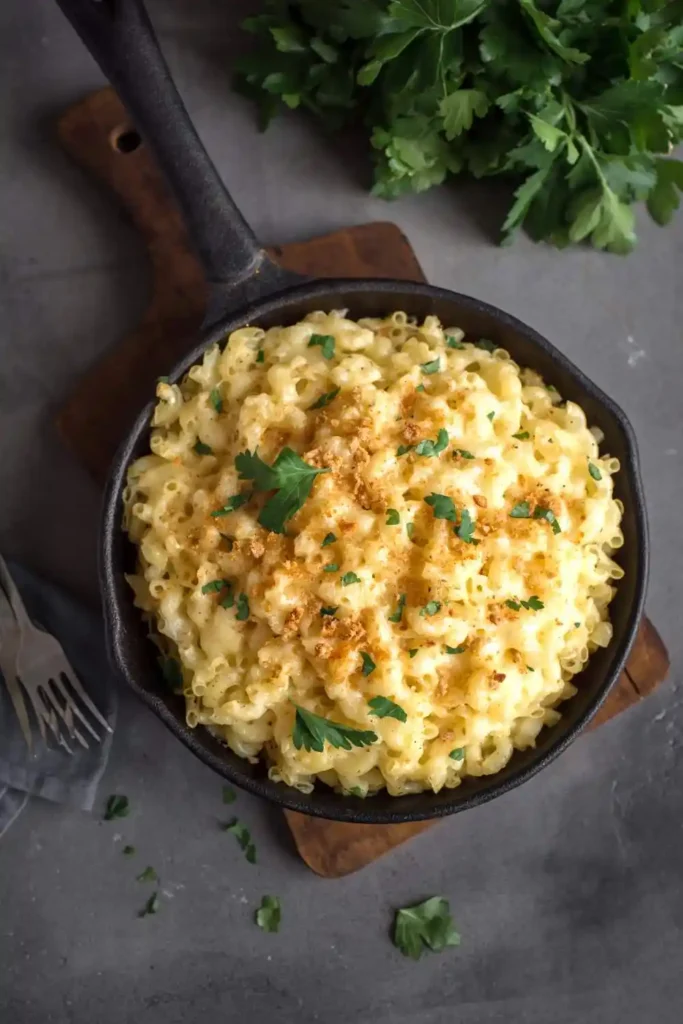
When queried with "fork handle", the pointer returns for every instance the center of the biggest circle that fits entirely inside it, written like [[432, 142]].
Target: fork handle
[[15, 599]]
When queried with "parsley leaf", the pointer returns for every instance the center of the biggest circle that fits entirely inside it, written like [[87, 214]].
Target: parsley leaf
[[425, 926], [403, 449], [148, 875], [331, 567], [216, 400], [269, 914], [393, 518], [385, 708], [410, 530], [430, 448], [260, 356], [228, 599], [398, 614], [466, 527], [549, 516], [458, 754], [128, 851], [412, 652], [533, 604], [348, 578], [490, 415], [242, 608], [420, 387], [329, 538], [463, 453], [202, 449], [455, 650], [312, 731], [215, 586], [514, 605], [522, 435], [243, 836], [443, 506], [329, 610], [229, 795], [325, 399], [231, 504], [594, 471], [453, 342], [151, 906], [432, 367], [117, 807], [521, 510], [326, 343], [290, 477], [368, 664], [431, 608]]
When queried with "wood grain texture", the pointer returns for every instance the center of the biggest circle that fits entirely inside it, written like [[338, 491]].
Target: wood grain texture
[[95, 416]]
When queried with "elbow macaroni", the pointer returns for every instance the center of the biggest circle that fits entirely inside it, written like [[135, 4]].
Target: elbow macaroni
[[511, 439]]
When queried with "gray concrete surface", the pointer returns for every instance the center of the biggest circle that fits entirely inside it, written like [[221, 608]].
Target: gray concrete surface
[[568, 892]]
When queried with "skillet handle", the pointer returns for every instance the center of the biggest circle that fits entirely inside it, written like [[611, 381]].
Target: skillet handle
[[120, 37]]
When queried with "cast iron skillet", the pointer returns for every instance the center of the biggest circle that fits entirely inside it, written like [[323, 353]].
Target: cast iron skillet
[[248, 288]]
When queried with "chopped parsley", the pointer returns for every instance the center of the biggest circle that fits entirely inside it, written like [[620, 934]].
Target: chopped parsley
[[403, 449], [117, 807], [330, 609], [533, 604], [465, 528], [128, 851], [549, 516], [521, 510], [410, 530], [393, 518], [385, 708], [576, 625], [425, 926], [215, 586], [163, 380], [398, 614], [326, 342], [269, 914], [203, 449], [594, 471], [523, 435], [453, 342], [368, 664], [290, 477], [243, 836], [216, 400], [430, 448], [325, 399], [490, 415], [486, 345], [151, 906], [242, 608], [331, 567], [443, 506], [530, 669], [172, 673], [229, 795], [231, 504], [431, 367], [348, 578], [420, 387], [148, 875], [463, 453], [412, 652], [228, 600], [312, 732], [329, 538], [260, 357], [458, 754], [431, 608], [455, 650]]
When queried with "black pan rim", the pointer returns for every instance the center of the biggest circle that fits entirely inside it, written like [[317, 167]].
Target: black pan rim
[[337, 806]]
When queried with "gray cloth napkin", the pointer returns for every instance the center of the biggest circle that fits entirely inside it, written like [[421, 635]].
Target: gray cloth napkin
[[52, 773]]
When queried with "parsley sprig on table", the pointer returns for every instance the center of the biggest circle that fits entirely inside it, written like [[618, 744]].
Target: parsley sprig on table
[[576, 101], [290, 477], [423, 927]]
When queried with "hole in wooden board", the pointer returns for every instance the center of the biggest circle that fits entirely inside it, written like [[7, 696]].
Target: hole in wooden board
[[125, 140]]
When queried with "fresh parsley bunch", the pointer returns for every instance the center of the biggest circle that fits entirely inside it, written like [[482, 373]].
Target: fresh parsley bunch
[[580, 100]]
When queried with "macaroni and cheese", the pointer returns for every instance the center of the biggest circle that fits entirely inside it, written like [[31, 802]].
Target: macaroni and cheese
[[372, 552]]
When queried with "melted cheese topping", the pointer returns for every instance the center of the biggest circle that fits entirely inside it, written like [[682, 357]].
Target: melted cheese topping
[[526, 599]]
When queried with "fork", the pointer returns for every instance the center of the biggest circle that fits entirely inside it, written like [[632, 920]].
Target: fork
[[53, 688]]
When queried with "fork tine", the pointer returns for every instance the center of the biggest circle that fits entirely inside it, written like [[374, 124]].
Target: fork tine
[[20, 709], [74, 682], [73, 708], [38, 713], [46, 712]]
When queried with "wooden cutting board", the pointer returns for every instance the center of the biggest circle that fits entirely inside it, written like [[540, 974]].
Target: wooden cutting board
[[98, 135]]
